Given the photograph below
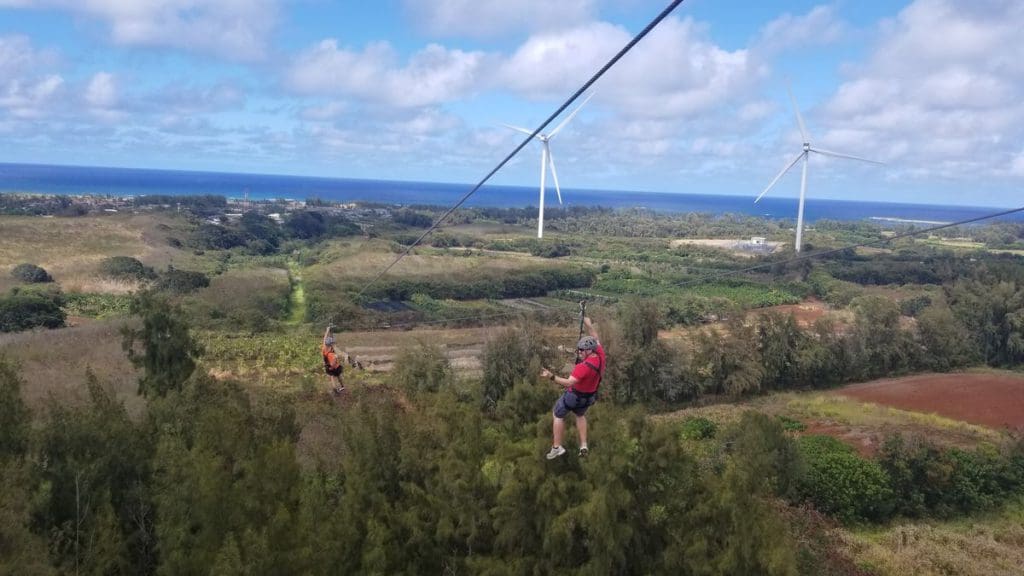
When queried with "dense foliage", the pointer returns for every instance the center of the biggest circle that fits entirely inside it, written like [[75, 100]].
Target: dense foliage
[[178, 281], [25, 309], [31, 273], [523, 284], [126, 268]]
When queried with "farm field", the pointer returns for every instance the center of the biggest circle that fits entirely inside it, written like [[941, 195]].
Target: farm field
[[989, 399]]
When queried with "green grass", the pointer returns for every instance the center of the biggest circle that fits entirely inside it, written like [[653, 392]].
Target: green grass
[[297, 297], [98, 306]]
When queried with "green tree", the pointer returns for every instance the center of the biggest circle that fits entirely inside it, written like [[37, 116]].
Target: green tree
[[97, 459], [422, 368], [726, 362], [779, 341], [511, 355], [990, 310], [222, 469], [946, 341], [878, 345], [641, 367], [14, 415], [169, 352]]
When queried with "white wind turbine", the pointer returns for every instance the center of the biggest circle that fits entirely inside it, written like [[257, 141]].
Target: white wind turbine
[[546, 158], [805, 154]]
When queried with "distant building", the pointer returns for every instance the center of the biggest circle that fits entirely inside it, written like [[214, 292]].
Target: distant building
[[757, 240]]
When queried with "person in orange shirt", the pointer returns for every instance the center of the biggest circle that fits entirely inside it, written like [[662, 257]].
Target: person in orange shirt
[[332, 364]]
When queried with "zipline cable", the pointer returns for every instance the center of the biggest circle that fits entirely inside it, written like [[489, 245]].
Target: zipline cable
[[629, 46]]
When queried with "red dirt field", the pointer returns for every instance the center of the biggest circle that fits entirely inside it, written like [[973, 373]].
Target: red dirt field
[[994, 400]]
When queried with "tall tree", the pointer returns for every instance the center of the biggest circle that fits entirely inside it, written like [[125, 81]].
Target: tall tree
[[169, 352]]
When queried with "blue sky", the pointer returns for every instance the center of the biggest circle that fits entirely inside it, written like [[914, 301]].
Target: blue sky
[[417, 90]]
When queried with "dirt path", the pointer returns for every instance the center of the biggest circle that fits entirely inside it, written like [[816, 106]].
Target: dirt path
[[297, 298]]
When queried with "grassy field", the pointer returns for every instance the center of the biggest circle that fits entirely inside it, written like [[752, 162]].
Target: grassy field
[[54, 362], [361, 259], [986, 545], [71, 248]]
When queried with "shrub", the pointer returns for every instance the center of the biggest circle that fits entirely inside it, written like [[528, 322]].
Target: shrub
[[762, 450], [698, 428], [182, 281], [422, 368], [215, 237], [513, 354], [126, 268], [790, 424], [31, 273], [22, 310], [839, 482]]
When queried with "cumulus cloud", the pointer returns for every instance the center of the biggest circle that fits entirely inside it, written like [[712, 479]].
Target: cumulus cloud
[[939, 96], [28, 84], [818, 27], [487, 18], [101, 91], [233, 29], [431, 76], [676, 71]]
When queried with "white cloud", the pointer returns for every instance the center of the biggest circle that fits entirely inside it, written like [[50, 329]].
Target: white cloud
[[1017, 166], [102, 91], [676, 71], [28, 84], [431, 76], [818, 27], [233, 29], [940, 94], [487, 18]]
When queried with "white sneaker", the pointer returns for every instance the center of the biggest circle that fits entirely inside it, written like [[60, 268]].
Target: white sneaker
[[555, 452]]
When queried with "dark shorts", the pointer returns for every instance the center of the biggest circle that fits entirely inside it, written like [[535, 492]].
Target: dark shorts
[[334, 371], [573, 402]]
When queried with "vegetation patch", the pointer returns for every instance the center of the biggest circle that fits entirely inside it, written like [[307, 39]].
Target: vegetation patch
[[31, 273]]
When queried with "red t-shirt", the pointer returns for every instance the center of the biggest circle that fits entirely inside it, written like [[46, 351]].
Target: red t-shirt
[[587, 378]]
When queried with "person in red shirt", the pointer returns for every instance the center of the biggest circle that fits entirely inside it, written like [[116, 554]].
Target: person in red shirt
[[580, 390], [332, 364]]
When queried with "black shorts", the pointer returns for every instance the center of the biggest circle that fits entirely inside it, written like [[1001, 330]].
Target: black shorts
[[334, 371]]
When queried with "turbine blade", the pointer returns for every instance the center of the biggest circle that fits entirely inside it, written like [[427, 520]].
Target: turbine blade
[[838, 155], [519, 129], [554, 174], [570, 116], [781, 174], [799, 118]]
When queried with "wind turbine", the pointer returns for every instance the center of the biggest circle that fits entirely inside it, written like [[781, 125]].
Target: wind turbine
[[547, 159], [804, 155]]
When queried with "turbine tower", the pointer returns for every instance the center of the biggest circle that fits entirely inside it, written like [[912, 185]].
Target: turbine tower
[[805, 153], [547, 159]]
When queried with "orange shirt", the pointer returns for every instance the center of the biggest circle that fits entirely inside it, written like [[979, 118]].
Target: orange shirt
[[330, 357]]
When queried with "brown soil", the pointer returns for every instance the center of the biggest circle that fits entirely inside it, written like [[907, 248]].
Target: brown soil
[[806, 313], [865, 443], [994, 400]]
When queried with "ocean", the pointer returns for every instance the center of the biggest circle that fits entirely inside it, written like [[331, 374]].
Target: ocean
[[75, 180]]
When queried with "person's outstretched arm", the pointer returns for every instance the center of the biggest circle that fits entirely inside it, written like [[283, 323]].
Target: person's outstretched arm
[[326, 334], [590, 327]]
